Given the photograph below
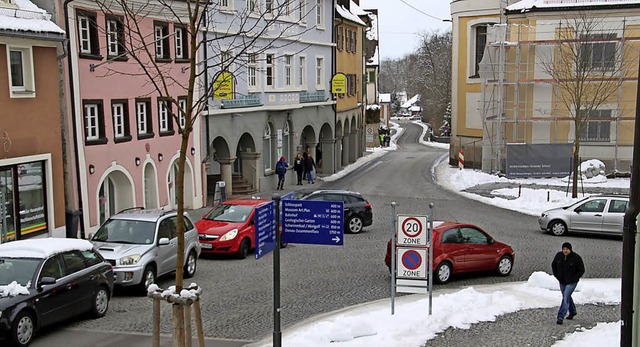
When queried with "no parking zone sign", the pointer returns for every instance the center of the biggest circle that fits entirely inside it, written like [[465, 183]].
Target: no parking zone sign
[[412, 230], [412, 263]]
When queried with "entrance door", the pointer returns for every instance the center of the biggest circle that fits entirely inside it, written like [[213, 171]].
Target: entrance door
[[107, 199], [7, 223]]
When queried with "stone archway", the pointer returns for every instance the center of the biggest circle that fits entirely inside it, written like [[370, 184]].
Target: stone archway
[[325, 145], [218, 165], [188, 184], [346, 141], [338, 146], [150, 186], [353, 140], [115, 193], [245, 178]]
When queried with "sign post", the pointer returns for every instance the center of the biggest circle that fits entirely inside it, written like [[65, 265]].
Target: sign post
[[265, 228]]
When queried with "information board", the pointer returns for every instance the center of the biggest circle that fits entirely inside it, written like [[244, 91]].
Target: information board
[[265, 228], [313, 222]]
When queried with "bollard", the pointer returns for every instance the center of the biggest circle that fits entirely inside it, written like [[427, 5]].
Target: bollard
[[519, 190], [548, 194]]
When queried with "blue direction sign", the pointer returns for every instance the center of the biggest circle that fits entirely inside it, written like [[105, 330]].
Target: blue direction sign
[[313, 222], [265, 228]]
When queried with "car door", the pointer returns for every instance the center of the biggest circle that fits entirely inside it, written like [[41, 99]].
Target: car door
[[55, 300], [79, 280], [480, 255], [613, 219], [451, 248], [167, 256], [588, 216]]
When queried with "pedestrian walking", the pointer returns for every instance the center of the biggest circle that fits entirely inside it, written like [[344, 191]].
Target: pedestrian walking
[[281, 171], [298, 167], [567, 268], [381, 140], [309, 166]]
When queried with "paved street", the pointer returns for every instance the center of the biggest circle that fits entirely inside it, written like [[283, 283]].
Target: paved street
[[237, 303]]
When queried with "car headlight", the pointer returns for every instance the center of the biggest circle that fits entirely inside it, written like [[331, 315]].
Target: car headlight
[[130, 260], [543, 215], [229, 235]]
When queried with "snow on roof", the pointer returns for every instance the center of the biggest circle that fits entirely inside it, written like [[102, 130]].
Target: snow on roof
[[526, 5], [344, 13], [384, 97], [374, 61], [357, 10], [372, 32], [27, 17], [42, 248], [415, 108], [411, 101]]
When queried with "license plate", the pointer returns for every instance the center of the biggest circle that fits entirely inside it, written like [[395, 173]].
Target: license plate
[[206, 245]]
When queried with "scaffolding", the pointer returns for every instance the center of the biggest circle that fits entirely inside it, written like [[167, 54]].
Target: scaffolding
[[520, 101]]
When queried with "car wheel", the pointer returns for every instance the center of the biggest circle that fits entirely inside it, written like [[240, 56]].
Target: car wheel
[[100, 303], [23, 329], [243, 251], [354, 224], [558, 228], [148, 278], [505, 264], [443, 273], [190, 265]]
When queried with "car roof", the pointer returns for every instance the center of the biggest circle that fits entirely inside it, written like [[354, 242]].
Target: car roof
[[42, 247], [624, 196], [138, 213], [332, 191], [246, 201]]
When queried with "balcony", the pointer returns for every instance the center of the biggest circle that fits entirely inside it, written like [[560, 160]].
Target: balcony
[[312, 97], [242, 101]]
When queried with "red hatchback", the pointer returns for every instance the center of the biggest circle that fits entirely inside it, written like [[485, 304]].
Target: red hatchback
[[229, 227], [460, 248]]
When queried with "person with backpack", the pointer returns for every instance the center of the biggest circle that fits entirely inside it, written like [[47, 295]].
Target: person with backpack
[[281, 171], [298, 166]]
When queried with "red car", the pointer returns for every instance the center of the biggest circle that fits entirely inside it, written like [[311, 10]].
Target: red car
[[229, 227], [460, 248]]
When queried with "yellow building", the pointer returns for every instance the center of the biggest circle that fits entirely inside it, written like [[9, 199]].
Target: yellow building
[[507, 87], [349, 34]]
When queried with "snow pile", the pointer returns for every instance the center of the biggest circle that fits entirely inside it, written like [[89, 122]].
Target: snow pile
[[14, 289], [592, 168]]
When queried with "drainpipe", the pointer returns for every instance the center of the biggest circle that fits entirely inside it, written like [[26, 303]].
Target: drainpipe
[[333, 73], [206, 82], [73, 121]]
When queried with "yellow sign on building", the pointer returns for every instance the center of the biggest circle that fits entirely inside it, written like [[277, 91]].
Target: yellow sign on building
[[223, 86], [339, 84]]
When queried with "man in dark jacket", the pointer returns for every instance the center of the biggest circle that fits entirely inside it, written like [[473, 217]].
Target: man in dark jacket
[[567, 268]]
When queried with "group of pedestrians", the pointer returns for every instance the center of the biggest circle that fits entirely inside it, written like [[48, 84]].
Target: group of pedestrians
[[304, 165]]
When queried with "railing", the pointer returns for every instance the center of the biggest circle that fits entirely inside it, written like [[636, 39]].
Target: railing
[[312, 97], [242, 101]]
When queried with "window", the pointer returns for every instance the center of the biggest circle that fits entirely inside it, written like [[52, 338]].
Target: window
[[91, 257], [288, 78], [599, 55], [94, 122], [302, 11], [182, 48], [480, 36], [225, 4], [115, 37], [618, 206], [267, 147], [450, 236], [597, 126], [252, 68], [165, 123], [268, 5], [592, 206], [371, 77], [473, 236], [21, 75], [302, 79], [252, 5], [270, 71], [88, 35], [120, 115], [319, 13], [161, 36], [286, 7], [143, 118], [74, 262], [182, 109], [340, 38], [319, 71], [226, 60], [53, 268]]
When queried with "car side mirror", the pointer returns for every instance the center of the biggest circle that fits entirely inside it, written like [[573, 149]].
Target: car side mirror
[[46, 281], [163, 241], [491, 241], [90, 236], [578, 210]]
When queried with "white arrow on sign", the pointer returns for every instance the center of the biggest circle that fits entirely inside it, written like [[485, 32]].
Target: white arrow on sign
[[336, 239]]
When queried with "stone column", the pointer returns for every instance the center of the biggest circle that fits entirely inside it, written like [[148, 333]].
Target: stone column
[[346, 150], [226, 171], [250, 165], [328, 158]]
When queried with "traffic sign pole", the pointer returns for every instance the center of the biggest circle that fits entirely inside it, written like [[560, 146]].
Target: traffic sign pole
[[393, 256], [430, 236], [277, 333]]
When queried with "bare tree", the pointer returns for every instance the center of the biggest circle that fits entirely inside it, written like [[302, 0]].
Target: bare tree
[[254, 28], [587, 67]]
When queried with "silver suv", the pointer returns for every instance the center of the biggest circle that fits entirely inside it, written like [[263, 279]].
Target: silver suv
[[142, 245], [602, 214]]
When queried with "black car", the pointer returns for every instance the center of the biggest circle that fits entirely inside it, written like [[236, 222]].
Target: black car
[[357, 210], [48, 280]]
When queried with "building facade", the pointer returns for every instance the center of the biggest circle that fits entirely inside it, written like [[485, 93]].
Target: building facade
[[32, 198]]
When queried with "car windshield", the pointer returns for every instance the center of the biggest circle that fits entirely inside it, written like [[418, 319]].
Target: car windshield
[[126, 231], [20, 270], [229, 213]]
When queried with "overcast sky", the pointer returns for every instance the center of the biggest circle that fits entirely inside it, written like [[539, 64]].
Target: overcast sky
[[400, 24]]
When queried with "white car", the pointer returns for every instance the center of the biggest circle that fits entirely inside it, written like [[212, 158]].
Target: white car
[[602, 214]]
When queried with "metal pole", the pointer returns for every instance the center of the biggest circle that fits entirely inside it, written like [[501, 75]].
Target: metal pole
[[277, 334], [430, 241], [393, 256]]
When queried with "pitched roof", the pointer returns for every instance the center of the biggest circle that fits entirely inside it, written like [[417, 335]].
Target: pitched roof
[[22, 16]]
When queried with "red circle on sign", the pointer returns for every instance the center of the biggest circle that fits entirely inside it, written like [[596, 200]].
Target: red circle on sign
[[404, 227], [411, 260]]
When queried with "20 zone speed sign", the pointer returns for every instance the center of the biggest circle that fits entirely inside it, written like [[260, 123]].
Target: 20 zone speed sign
[[412, 230]]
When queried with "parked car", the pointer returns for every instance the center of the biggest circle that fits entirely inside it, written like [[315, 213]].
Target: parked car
[[463, 248], [229, 227], [603, 214], [49, 280], [357, 210], [142, 246]]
